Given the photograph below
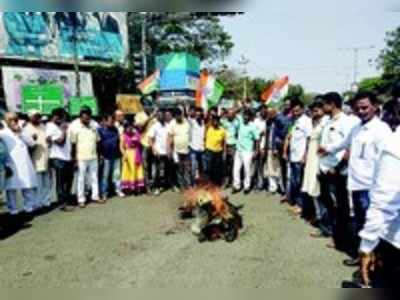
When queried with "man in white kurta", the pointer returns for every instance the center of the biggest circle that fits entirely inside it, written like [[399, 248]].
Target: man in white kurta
[[40, 159], [23, 177]]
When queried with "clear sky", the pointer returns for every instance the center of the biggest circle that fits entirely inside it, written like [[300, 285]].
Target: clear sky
[[311, 40]]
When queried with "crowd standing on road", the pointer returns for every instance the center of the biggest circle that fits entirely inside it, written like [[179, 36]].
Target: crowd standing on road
[[335, 167]]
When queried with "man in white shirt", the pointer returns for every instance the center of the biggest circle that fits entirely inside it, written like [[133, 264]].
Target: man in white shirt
[[85, 138], [197, 145], [334, 194], [60, 157], [21, 175], [298, 141], [258, 176], [40, 158], [365, 144], [159, 143], [179, 137], [381, 233]]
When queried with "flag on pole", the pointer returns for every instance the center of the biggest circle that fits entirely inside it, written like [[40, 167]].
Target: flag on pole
[[273, 95], [150, 84], [209, 91]]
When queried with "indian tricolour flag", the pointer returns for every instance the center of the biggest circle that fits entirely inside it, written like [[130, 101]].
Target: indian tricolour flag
[[274, 94], [150, 84], [209, 91]]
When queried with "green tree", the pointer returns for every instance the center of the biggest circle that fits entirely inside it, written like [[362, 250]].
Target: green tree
[[389, 59], [201, 35]]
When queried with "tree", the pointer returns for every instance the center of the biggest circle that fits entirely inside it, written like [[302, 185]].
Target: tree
[[389, 59], [199, 34]]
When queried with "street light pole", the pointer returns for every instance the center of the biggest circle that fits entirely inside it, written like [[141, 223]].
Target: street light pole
[[244, 62], [74, 17], [144, 41]]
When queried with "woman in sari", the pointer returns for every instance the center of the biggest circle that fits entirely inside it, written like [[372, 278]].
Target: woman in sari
[[132, 181]]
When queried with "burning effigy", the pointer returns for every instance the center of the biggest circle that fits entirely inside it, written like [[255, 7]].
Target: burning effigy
[[214, 217]]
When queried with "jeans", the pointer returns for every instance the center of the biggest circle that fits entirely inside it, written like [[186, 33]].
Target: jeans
[[361, 202], [198, 165], [111, 173], [214, 163], [296, 181], [335, 198], [44, 189], [242, 159], [183, 171], [64, 177], [229, 161], [148, 166], [29, 196], [258, 176], [92, 167], [161, 177]]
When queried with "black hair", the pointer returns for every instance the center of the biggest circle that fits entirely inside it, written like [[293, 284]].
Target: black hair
[[199, 109], [105, 117], [297, 102], [396, 90], [85, 110], [178, 112], [333, 98], [364, 95], [58, 112], [317, 104], [248, 113]]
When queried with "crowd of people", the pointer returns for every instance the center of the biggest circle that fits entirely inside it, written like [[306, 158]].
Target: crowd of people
[[334, 164]]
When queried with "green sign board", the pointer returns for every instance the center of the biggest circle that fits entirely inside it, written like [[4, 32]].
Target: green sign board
[[76, 103], [178, 61], [44, 98]]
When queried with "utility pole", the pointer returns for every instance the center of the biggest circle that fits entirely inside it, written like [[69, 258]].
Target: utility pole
[[356, 55], [244, 62], [144, 42], [75, 22]]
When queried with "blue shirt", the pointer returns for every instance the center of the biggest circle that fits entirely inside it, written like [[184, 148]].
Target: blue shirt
[[109, 143]]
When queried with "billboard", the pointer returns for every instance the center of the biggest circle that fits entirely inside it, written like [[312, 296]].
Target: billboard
[[178, 71], [36, 83], [43, 98], [95, 37]]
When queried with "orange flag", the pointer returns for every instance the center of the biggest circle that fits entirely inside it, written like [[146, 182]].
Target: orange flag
[[275, 89]]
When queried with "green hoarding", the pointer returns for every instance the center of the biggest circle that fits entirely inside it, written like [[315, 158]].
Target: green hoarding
[[76, 103], [43, 98], [178, 61]]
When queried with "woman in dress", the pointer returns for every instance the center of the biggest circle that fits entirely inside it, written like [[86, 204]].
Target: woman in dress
[[311, 185], [132, 180]]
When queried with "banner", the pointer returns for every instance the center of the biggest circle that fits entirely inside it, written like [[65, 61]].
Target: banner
[[56, 36], [16, 79], [44, 98], [179, 71], [129, 104], [76, 103]]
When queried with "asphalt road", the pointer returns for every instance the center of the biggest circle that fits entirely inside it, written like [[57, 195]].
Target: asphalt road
[[139, 242]]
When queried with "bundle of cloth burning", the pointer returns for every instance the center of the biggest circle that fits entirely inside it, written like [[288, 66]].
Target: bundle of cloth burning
[[214, 217]]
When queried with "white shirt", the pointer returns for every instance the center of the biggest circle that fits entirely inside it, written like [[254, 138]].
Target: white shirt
[[365, 142], [160, 134], [335, 132], [23, 171], [383, 217], [197, 135], [302, 130], [63, 152], [261, 125]]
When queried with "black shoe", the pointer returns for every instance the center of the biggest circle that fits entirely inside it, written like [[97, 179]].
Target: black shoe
[[247, 192], [353, 262], [235, 191]]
